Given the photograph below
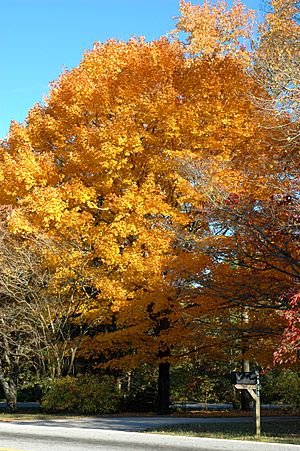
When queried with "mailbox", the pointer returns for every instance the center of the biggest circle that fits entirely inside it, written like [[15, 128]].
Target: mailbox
[[246, 378]]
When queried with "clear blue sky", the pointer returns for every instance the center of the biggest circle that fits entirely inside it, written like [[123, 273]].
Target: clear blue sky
[[38, 38]]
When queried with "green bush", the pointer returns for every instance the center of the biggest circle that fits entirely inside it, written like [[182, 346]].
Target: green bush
[[87, 395], [281, 386], [288, 387]]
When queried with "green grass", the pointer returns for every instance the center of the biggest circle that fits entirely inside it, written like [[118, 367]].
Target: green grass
[[272, 431]]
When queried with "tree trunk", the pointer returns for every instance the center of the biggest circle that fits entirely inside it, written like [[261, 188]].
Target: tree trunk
[[164, 388], [10, 392], [162, 324], [129, 377], [245, 397]]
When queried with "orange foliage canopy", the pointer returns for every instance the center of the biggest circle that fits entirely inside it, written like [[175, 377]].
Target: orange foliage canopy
[[129, 146]]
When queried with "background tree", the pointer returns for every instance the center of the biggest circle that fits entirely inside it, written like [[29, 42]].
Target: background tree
[[277, 63], [41, 329], [277, 66], [256, 251], [215, 29], [21, 341]]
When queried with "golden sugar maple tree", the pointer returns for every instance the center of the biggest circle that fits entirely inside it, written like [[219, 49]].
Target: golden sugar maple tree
[[119, 164]]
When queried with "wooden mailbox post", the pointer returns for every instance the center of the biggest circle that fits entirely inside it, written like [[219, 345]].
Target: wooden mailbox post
[[250, 382]]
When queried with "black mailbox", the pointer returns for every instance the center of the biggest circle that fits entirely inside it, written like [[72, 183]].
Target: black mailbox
[[246, 378]]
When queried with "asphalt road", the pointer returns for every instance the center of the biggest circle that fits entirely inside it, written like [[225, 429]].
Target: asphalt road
[[29, 437], [129, 424], [36, 436]]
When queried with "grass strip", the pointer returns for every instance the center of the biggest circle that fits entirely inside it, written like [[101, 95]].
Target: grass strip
[[272, 431]]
